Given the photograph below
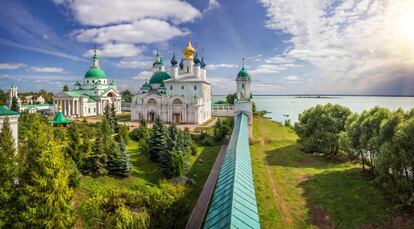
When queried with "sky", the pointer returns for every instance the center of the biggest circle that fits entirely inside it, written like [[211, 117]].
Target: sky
[[361, 47]]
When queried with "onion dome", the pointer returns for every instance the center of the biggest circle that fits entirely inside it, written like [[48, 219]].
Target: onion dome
[[243, 74], [158, 60], [189, 51], [203, 64], [196, 60], [95, 70], [159, 77], [13, 85], [173, 61], [146, 86], [77, 84], [181, 63]]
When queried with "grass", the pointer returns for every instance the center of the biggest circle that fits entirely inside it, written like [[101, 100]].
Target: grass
[[146, 175], [298, 190], [124, 117]]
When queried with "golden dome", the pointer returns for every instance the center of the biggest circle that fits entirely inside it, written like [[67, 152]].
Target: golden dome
[[189, 51], [60, 108]]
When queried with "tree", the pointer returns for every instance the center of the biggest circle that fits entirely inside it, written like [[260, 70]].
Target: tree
[[3, 97], [175, 164], [8, 174], [74, 149], [119, 162], [157, 141], [254, 109], [44, 193], [127, 96], [15, 105], [319, 128], [230, 98], [65, 87], [114, 118], [123, 133], [96, 163]]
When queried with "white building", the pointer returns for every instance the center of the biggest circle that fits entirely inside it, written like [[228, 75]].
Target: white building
[[243, 104], [92, 96], [13, 94], [13, 120], [182, 96]]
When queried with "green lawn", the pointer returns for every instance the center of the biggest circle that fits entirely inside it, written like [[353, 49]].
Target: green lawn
[[298, 190], [124, 117], [146, 174]]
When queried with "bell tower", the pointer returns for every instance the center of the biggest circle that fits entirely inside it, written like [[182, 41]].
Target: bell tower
[[243, 104]]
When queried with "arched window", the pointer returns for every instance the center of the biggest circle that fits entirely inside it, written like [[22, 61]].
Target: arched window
[[243, 85], [182, 87], [195, 87], [152, 102], [171, 87], [177, 101]]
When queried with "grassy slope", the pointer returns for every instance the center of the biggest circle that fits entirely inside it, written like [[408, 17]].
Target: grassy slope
[[146, 174], [294, 188]]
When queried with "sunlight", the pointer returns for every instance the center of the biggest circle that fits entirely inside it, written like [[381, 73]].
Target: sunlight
[[404, 23]]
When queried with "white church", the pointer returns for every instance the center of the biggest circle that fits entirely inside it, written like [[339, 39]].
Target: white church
[[182, 95], [92, 96]]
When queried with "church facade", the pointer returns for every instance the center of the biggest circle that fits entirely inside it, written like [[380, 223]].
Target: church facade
[[182, 95], [90, 97]]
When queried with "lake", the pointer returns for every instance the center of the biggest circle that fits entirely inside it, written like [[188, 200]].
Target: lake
[[288, 107]]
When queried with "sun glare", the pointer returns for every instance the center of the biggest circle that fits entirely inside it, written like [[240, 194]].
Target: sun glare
[[404, 25]]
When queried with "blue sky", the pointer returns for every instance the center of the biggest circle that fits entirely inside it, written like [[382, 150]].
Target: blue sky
[[290, 46]]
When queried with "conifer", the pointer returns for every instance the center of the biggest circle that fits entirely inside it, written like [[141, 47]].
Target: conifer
[[157, 141]]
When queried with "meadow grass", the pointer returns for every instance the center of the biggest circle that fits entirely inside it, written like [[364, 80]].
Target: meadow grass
[[299, 190]]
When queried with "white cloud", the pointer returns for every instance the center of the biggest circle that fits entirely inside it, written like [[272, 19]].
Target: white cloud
[[292, 78], [135, 64], [273, 68], [47, 69], [106, 12], [142, 31], [349, 42], [7, 66], [144, 75], [212, 4], [116, 50], [218, 66]]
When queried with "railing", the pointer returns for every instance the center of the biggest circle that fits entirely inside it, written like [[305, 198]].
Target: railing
[[234, 201]]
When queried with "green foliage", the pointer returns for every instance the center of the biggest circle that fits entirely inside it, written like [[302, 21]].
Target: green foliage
[[44, 192], [230, 98], [123, 132], [8, 173], [74, 149], [127, 96], [288, 123], [110, 116], [14, 105], [3, 98], [254, 108], [175, 164], [119, 162], [157, 141], [220, 130], [319, 128], [65, 87]]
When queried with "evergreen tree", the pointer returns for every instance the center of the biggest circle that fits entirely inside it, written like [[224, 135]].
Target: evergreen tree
[[97, 161], [65, 87], [175, 164], [114, 118], [44, 193], [157, 141], [15, 105], [119, 162], [144, 134], [7, 174], [74, 149]]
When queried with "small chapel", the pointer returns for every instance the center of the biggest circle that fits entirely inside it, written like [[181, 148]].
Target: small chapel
[[180, 95]]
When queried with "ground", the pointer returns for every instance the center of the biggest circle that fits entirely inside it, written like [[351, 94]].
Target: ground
[[299, 190], [146, 174]]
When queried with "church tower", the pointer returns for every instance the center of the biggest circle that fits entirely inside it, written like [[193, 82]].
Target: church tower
[[188, 62], [13, 91], [243, 104], [243, 84]]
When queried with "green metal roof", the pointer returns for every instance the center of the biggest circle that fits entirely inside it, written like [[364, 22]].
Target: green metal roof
[[60, 119], [5, 112], [234, 200], [159, 77], [243, 74], [95, 73], [73, 93]]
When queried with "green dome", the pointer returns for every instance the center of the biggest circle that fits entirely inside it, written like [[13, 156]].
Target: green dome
[[159, 77], [95, 73], [243, 74], [146, 86]]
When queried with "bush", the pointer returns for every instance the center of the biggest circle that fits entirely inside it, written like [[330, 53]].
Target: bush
[[319, 128], [207, 141]]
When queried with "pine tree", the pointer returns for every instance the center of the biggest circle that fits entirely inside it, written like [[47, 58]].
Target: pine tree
[[74, 149], [119, 162], [65, 87], [144, 134], [175, 164], [7, 174], [96, 163], [44, 193], [15, 105], [114, 118], [157, 141]]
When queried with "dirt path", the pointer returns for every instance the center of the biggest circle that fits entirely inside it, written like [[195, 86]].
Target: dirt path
[[279, 201]]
